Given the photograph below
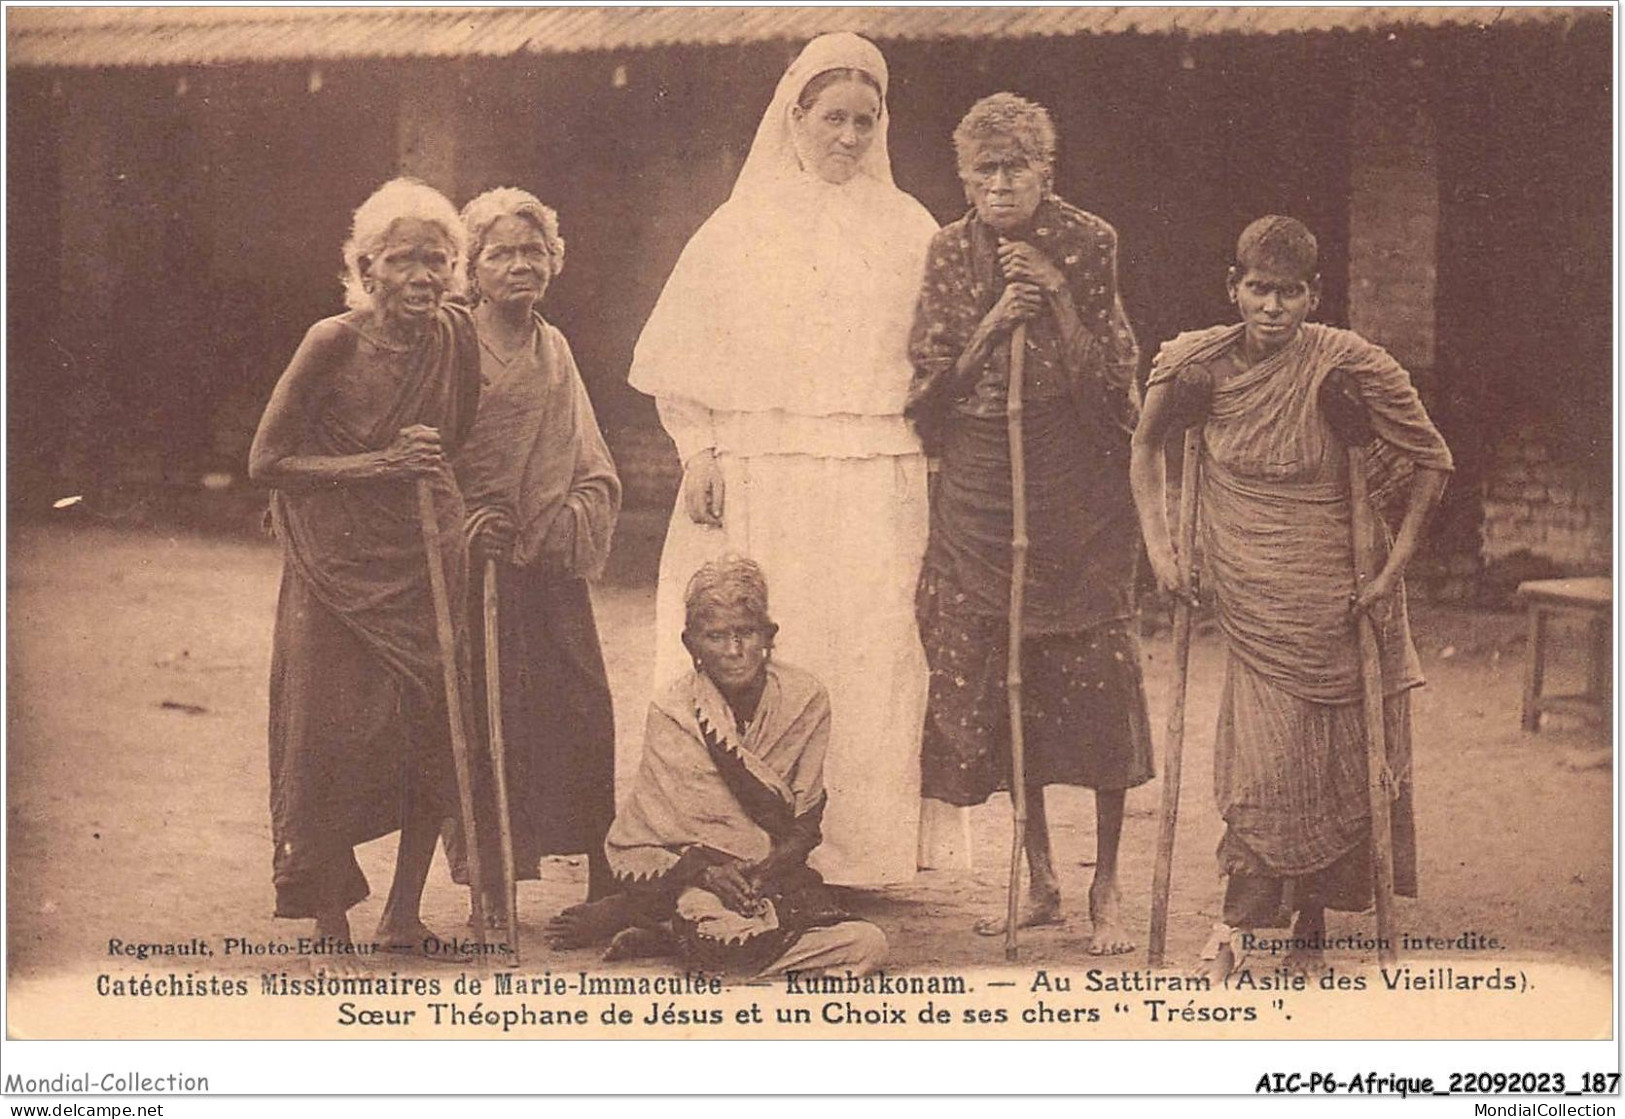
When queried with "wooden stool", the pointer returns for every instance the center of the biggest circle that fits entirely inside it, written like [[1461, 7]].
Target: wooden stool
[[1593, 599]]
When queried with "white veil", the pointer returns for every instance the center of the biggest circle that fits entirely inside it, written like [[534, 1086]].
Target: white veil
[[772, 157], [797, 294]]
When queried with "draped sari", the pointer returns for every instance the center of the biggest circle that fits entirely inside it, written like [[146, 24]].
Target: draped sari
[[1085, 720], [1276, 551], [536, 454], [357, 707], [706, 791]]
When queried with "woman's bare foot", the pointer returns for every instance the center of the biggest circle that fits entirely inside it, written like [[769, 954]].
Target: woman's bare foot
[[1220, 967], [1043, 908], [1220, 957], [496, 912], [421, 941], [591, 922], [639, 943], [332, 931], [1105, 905], [1309, 932], [1305, 961]]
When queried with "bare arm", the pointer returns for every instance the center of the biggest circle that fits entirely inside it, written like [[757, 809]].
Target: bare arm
[[275, 458], [1148, 479], [1019, 302], [1026, 264], [692, 427], [791, 850], [1427, 487]]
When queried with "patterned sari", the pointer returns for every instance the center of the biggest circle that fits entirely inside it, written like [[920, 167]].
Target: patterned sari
[[1085, 720]]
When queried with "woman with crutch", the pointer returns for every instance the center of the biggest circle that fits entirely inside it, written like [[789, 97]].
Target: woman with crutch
[[368, 413], [1278, 561], [1023, 259], [543, 497]]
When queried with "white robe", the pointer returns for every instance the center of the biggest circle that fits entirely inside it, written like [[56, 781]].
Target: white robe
[[780, 345]]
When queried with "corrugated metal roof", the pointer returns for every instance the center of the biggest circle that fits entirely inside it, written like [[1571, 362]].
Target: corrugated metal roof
[[86, 37]]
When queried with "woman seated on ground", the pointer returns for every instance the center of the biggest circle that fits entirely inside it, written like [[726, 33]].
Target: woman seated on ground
[[372, 405], [542, 498], [1290, 751], [711, 847]]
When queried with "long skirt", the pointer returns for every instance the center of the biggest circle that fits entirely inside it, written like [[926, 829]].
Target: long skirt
[[1084, 710], [840, 541], [354, 752], [558, 728], [1290, 780]]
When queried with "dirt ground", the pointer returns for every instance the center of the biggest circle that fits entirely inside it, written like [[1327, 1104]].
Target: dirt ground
[[137, 802]]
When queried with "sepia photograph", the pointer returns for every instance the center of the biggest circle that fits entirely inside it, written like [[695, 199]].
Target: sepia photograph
[[860, 523]]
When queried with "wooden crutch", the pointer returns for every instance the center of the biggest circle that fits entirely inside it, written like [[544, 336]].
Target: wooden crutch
[[454, 699], [1378, 778], [1018, 594], [499, 757], [1173, 748]]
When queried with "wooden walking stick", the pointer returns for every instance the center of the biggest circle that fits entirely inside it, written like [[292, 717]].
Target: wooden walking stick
[[1378, 778], [1018, 580], [499, 758], [430, 524], [1173, 748]]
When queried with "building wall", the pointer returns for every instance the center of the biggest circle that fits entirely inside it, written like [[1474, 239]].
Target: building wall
[[1475, 258], [1540, 508], [1524, 297], [1458, 182], [1394, 212]]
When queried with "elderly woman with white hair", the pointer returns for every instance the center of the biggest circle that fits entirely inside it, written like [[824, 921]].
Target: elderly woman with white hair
[[542, 497], [1022, 255], [374, 401]]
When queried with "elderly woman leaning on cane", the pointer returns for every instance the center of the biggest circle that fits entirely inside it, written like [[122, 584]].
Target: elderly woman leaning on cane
[[711, 846], [542, 497], [373, 402], [1022, 255], [1290, 769]]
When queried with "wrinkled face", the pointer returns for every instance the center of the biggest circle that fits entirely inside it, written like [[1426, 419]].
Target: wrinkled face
[[832, 137], [1273, 304], [1004, 185], [410, 271], [731, 645], [514, 267]]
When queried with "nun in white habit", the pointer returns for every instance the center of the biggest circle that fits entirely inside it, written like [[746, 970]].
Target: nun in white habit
[[777, 356]]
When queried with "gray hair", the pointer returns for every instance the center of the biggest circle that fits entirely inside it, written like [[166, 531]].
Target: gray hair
[[487, 209], [1007, 116], [726, 582], [373, 219]]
